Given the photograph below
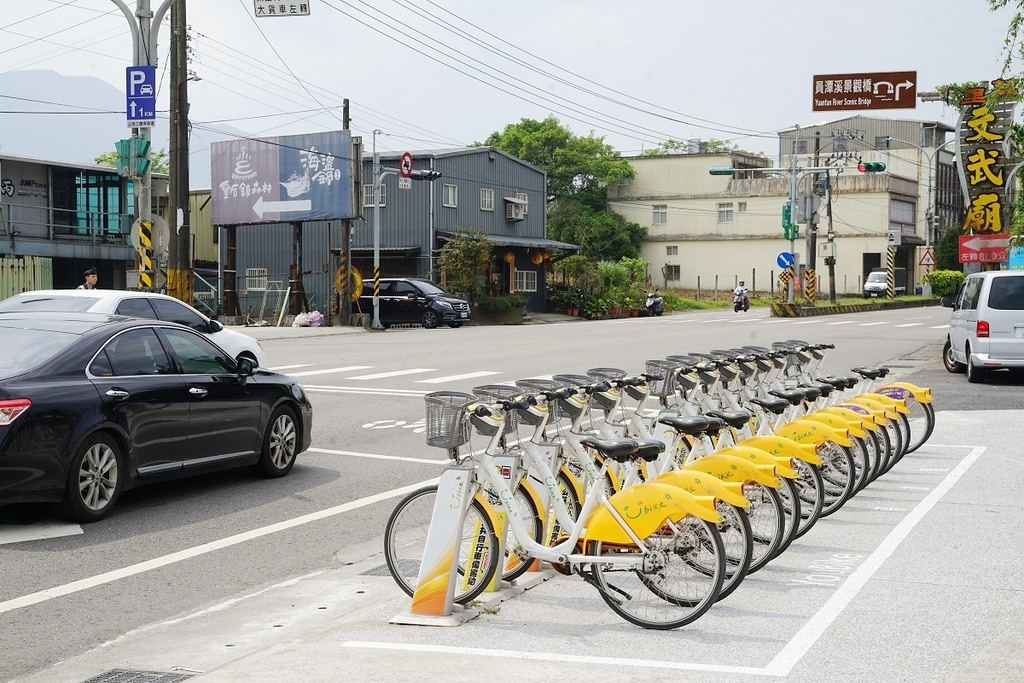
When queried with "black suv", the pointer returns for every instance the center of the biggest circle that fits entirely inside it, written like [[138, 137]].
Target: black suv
[[413, 300]]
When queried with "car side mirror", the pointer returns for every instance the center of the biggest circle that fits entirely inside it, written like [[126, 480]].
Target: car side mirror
[[411, 295], [946, 302], [215, 326], [246, 367]]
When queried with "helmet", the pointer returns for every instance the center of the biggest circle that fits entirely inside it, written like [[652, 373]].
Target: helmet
[[741, 283]]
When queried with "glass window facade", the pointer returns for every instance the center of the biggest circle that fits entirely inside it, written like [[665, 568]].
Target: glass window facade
[[89, 202]]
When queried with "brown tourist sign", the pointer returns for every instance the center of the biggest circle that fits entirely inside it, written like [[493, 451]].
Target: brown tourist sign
[[881, 90]]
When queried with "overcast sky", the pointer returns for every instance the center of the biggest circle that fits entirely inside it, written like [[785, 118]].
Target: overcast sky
[[442, 73]]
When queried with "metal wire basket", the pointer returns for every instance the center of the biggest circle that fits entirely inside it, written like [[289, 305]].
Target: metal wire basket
[[573, 406], [605, 373], [446, 423], [537, 385], [501, 392], [666, 386]]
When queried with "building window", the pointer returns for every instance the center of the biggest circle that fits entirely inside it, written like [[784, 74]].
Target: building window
[[660, 216], [486, 199], [725, 212], [741, 207], [671, 251], [256, 278], [450, 197], [526, 280], [368, 195], [881, 142], [800, 147], [671, 272], [525, 199]]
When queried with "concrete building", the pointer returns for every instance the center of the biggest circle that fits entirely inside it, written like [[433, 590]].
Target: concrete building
[[707, 232]]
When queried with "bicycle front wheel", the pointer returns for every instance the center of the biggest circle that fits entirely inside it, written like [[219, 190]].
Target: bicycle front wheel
[[922, 423], [405, 538], [677, 580]]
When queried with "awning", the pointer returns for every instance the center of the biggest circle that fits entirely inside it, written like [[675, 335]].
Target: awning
[[515, 241], [388, 251], [515, 200]]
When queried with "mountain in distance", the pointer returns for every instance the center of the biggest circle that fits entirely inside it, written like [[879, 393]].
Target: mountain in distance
[[75, 119]]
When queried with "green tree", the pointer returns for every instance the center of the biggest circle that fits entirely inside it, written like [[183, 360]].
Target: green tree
[[158, 160], [603, 235], [464, 259], [947, 249], [712, 146]]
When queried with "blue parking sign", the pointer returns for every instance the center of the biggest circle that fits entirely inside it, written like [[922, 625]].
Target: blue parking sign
[[140, 95]]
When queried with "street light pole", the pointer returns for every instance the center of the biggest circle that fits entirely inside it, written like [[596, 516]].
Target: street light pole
[[378, 178]]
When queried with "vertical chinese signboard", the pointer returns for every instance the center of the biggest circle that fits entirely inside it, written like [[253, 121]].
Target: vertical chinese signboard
[[985, 164]]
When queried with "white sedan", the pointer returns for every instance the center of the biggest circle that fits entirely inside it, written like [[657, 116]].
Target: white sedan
[[137, 305]]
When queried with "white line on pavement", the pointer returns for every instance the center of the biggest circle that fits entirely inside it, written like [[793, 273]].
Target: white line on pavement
[[870, 324], [908, 325], [309, 373], [279, 368], [327, 389], [453, 378], [394, 373], [842, 322], [19, 533], [374, 456]]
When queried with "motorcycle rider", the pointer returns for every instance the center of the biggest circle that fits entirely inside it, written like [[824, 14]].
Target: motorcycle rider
[[741, 290], [740, 300]]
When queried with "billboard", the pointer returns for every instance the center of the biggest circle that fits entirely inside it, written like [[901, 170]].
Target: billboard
[[882, 90], [290, 178]]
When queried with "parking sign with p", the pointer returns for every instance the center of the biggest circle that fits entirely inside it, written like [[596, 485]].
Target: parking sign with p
[[140, 95]]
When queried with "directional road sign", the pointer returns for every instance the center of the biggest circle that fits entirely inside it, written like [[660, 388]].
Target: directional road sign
[[880, 90], [785, 260], [140, 96], [984, 248]]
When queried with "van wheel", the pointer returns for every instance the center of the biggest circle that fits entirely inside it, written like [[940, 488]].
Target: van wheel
[[949, 361], [975, 375], [430, 319]]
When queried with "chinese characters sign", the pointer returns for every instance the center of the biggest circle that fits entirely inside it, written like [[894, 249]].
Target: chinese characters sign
[[985, 161], [883, 90], [289, 178], [276, 8]]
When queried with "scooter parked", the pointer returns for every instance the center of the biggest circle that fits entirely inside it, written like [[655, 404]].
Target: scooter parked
[[655, 304]]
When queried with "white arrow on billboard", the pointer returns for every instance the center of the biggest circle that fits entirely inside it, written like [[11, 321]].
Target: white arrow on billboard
[[976, 243], [261, 207]]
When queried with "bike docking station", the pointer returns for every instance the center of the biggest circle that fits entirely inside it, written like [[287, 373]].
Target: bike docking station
[[433, 601]]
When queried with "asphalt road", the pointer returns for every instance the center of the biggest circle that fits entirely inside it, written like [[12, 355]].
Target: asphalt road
[[180, 549]]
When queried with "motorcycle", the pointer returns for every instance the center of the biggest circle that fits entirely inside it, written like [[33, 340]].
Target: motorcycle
[[740, 302], [655, 304]]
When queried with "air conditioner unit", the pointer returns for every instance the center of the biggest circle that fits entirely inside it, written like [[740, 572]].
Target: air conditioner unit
[[515, 211]]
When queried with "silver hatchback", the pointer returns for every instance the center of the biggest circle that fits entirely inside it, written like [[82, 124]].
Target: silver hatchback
[[986, 328]]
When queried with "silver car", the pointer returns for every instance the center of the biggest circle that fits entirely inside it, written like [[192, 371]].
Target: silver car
[[138, 305], [986, 328]]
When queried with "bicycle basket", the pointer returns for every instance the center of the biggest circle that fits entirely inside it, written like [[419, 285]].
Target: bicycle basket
[[664, 387], [446, 426], [501, 392], [573, 405], [533, 385], [605, 373]]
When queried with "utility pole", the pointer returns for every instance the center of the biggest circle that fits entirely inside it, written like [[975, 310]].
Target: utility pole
[[830, 260], [179, 267], [810, 201], [344, 290]]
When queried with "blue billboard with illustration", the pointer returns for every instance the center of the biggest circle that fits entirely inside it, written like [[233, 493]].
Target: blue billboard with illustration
[[291, 178]]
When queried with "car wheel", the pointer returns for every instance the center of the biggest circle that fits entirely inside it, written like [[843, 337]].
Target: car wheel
[[95, 480], [975, 375], [949, 361], [430, 319], [456, 325], [280, 444]]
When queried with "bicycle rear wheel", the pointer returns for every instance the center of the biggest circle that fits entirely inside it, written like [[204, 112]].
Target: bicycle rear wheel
[[811, 490], [838, 472], [738, 540], [405, 537], [517, 562], [678, 580], [922, 423]]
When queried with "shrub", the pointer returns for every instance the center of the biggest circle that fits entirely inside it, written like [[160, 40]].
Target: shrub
[[499, 304], [945, 282]]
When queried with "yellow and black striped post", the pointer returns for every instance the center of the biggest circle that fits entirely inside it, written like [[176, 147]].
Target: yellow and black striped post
[[890, 272], [145, 256], [810, 285]]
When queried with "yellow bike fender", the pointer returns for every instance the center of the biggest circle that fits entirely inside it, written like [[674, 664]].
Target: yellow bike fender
[[783, 465], [808, 431], [899, 404], [906, 390], [852, 427], [865, 420], [733, 470], [701, 484], [875, 406], [646, 507], [780, 445], [875, 411]]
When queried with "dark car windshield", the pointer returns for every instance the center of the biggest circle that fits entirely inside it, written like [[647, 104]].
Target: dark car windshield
[[25, 349], [48, 302], [430, 289]]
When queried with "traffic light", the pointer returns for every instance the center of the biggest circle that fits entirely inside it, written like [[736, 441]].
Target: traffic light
[[721, 170], [789, 228], [425, 175], [132, 156], [871, 167]]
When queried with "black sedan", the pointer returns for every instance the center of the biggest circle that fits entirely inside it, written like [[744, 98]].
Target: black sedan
[[93, 404]]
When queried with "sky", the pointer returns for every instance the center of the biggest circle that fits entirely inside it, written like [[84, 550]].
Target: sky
[[444, 73]]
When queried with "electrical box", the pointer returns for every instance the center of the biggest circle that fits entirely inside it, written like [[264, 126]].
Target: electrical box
[[826, 249]]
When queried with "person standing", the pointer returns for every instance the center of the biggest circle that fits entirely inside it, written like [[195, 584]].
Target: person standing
[[91, 276]]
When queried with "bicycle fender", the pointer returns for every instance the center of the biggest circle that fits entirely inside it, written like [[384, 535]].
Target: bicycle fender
[[876, 413], [899, 404], [780, 445], [701, 484], [733, 470], [783, 465], [874, 406], [919, 394], [865, 420], [809, 431], [645, 507], [853, 428]]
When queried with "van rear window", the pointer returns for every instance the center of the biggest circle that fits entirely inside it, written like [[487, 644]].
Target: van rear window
[[1007, 294]]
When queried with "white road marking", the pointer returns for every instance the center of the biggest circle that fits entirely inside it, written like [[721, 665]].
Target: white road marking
[[806, 322], [19, 533], [309, 373], [374, 456], [871, 324], [454, 378], [394, 373], [279, 368], [196, 551], [842, 322], [908, 325], [940, 327], [364, 390]]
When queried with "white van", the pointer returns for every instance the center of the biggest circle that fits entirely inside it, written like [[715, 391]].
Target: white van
[[986, 329]]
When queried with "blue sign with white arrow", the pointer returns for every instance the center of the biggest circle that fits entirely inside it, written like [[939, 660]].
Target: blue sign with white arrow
[[140, 92], [785, 260]]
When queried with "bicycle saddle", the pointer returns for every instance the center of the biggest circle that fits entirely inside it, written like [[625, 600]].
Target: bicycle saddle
[[624, 450]]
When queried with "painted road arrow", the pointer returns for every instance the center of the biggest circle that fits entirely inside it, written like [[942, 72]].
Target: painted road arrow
[[261, 207]]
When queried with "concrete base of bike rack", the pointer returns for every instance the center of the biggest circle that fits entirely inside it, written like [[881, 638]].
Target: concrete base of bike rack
[[487, 602]]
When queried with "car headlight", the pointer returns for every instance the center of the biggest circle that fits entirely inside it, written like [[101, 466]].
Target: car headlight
[[298, 393], [444, 304]]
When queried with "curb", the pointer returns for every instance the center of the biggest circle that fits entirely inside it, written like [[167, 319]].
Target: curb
[[787, 310]]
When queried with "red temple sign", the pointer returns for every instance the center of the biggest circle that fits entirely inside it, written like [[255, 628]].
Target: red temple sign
[[984, 248]]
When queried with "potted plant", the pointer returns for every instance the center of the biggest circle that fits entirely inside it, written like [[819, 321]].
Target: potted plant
[[503, 309]]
